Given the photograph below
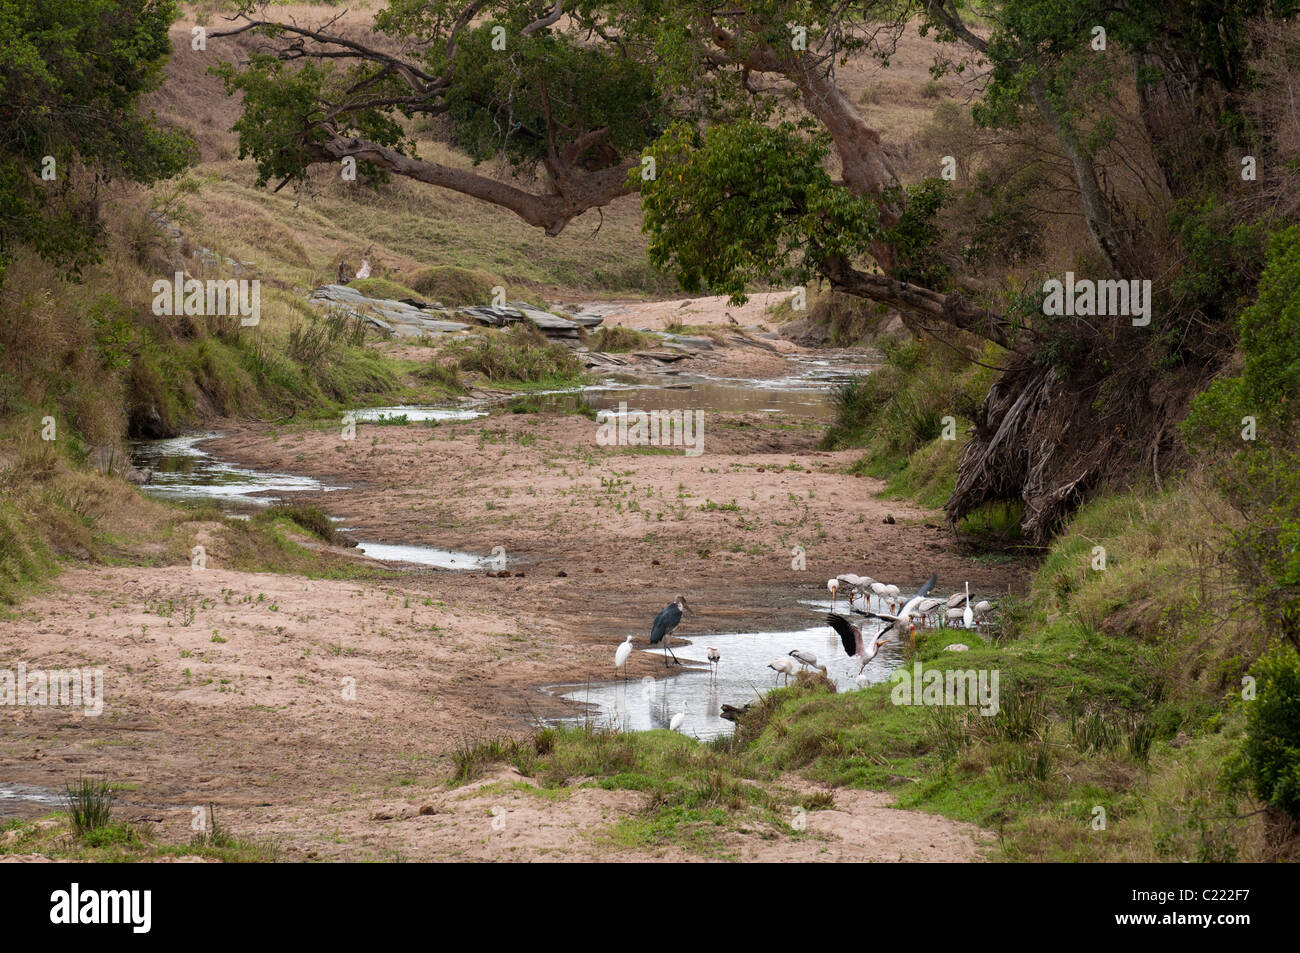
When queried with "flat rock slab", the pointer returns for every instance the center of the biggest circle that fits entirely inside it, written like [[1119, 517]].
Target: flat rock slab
[[600, 359], [408, 318], [689, 340], [412, 317], [668, 357], [515, 311]]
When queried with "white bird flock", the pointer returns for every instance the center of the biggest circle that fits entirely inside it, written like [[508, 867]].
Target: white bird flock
[[921, 610]]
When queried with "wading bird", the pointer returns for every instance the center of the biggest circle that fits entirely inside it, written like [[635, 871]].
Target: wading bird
[[782, 666], [857, 582], [858, 586], [854, 643], [894, 596], [802, 657], [665, 622], [833, 586], [925, 608], [714, 657], [621, 656], [911, 609], [968, 614], [677, 721]]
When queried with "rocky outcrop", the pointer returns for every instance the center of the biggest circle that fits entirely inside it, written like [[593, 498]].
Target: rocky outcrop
[[411, 317], [205, 256], [552, 325]]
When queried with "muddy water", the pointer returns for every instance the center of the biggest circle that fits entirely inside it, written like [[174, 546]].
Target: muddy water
[[806, 392], [27, 801], [416, 413], [427, 556], [185, 471], [742, 676]]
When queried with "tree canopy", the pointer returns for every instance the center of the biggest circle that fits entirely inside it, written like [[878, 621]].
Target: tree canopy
[[71, 77], [755, 167]]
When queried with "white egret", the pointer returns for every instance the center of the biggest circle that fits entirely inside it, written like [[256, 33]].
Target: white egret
[[621, 657]]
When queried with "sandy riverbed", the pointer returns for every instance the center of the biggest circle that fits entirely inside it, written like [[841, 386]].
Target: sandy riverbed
[[230, 687]]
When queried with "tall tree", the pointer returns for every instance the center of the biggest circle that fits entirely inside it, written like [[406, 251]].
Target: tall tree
[[740, 108], [71, 76]]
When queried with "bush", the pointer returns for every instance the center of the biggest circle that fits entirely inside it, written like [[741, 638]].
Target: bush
[[1259, 469], [454, 286], [1271, 755], [522, 354], [613, 340], [90, 804]]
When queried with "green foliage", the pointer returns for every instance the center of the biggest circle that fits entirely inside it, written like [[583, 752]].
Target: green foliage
[[1223, 261], [1004, 229], [1049, 40], [71, 77], [1261, 476], [519, 355], [916, 236], [1270, 756], [501, 104], [746, 202], [283, 106]]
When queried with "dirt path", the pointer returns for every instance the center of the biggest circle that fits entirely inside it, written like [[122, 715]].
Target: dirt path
[[232, 687]]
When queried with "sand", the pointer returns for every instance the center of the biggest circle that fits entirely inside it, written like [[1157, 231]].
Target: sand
[[236, 688]]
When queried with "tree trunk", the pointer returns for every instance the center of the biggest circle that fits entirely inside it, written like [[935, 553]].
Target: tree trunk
[[574, 193]]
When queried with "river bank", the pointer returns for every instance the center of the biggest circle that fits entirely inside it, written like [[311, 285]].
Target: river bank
[[324, 713]]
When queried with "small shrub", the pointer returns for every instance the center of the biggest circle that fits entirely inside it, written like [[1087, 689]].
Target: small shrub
[[1270, 757], [615, 340], [90, 804], [454, 286], [522, 354]]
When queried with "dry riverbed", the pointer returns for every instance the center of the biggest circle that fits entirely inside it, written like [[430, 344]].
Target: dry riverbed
[[320, 714]]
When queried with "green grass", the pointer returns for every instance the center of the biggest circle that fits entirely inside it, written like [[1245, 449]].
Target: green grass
[[455, 286], [55, 837], [617, 340], [384, 288], [25, 557], [694, 791], [518, 355], [90, 805], [310, 518], [1114, 702], [911, 417]]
